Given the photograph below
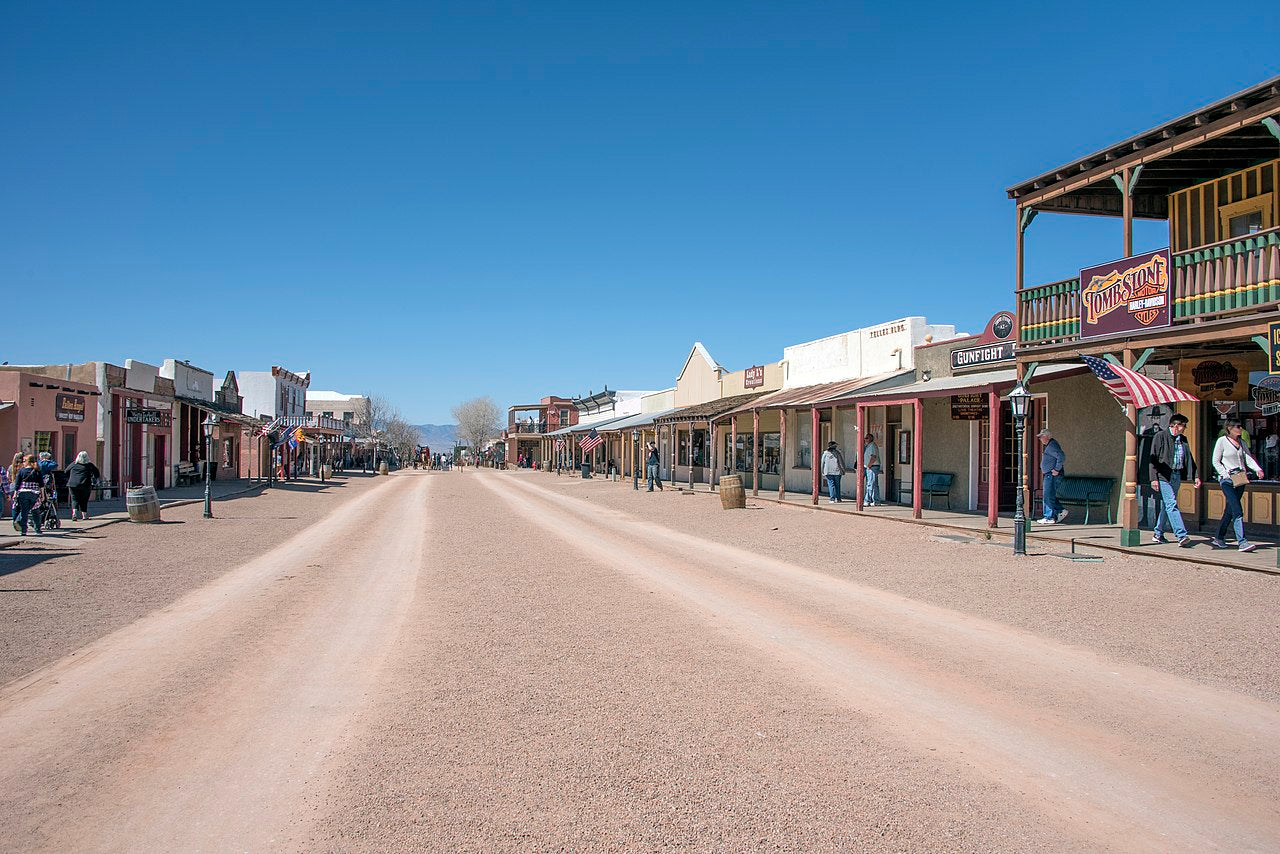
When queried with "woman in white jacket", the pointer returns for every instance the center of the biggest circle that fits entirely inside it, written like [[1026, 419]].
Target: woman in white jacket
[[1231, 456]]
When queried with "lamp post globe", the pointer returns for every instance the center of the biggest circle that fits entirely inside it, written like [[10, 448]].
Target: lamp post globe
[[1020, 403], [209, 423]]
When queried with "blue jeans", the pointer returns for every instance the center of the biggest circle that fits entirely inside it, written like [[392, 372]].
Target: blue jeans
[[27, 500], [833, 487], [873, 484], [1234, 514], [1169, 514], [651, 475], [1051, 506]]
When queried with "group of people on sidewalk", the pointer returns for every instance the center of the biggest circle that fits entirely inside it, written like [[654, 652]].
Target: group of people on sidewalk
[[1171, 464], [833, 467], [29, 487]]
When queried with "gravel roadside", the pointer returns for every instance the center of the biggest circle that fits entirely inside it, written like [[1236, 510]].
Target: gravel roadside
[[1207, 623], [57, 594]]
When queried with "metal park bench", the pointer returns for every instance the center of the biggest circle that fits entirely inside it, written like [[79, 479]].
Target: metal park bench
[[1077, 490], [936, 483]]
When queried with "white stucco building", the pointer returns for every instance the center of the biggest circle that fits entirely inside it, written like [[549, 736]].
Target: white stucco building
[[275, 393]]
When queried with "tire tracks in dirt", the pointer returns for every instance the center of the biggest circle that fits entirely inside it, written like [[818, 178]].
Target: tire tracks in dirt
[[1100, 747], [206, 724]]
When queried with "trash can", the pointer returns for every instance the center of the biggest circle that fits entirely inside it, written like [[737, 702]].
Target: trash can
[[586, 471]]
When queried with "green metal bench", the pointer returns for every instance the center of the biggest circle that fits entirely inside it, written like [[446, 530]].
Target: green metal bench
[[936, 483], [1076, 490]]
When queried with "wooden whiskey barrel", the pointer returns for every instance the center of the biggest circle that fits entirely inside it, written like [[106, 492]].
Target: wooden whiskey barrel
[[142, 504], [732, 495]]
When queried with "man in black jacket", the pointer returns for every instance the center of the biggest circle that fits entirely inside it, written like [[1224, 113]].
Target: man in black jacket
[[1171, 463]]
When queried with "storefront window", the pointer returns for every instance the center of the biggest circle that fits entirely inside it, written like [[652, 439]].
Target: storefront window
[[770, 453], [682, 443], [804, 450], [44, 442], [744, 452]]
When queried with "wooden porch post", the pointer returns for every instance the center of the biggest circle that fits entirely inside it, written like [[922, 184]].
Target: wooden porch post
[[1129, 533], [917, 453], [993, 458], [755, 453], [712, 456], [813, 451], [691, 456], [860, 488], [782, 454], [733, 444], [1128, 212]]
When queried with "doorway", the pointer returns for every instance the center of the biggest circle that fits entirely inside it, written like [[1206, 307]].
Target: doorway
[[160, 464], [889, 462], [69, 448]]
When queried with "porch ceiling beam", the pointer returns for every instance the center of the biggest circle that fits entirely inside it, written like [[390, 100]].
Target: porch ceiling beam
[[1112, 359], [1189, 139], [1263, 342], [1142, 359]]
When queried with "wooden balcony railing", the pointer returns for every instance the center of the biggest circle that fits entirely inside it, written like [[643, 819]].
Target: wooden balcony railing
[[1231, 276]]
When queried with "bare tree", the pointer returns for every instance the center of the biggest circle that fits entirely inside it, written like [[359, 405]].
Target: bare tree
[[373, 414], [400, 436], [478, 421]]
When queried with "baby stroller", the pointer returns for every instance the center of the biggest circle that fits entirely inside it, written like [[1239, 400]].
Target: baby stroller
[[45, 512]]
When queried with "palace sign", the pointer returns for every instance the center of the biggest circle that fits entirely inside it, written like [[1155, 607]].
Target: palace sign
[[1128, 295]]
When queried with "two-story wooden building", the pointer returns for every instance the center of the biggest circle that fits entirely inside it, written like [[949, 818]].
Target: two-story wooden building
[[1195, 314]]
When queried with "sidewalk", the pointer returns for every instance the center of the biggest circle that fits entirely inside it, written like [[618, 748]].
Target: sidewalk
[[114, 510], [1072, 534]]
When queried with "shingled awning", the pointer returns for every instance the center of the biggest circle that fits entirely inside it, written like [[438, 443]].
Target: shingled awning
[[710, 410], [808, 395]]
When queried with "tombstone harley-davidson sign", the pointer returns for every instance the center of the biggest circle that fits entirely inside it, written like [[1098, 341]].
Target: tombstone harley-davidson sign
[[1128, 295], [1219, 378]]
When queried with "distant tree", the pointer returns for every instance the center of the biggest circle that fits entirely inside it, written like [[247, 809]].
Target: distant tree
[[479, 420], [400, 436]]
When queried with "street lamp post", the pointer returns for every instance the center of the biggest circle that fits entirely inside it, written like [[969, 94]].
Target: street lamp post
[[1019, 400], [210, 422], [635, 459]]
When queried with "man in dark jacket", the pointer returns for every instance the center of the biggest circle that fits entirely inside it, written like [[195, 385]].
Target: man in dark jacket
[[1171, 464], [1053, 463], [652, 472]]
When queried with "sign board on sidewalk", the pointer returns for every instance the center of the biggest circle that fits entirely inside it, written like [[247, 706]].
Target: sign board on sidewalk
[[69, 407], [968, 407], [1128, 295]]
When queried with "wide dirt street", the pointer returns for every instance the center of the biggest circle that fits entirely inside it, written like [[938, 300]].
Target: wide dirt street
[[514, 661]]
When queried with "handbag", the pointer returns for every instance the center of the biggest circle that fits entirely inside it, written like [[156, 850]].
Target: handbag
[[1239, 478]]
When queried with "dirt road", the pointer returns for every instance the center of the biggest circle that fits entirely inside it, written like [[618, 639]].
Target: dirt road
[[513, 661]]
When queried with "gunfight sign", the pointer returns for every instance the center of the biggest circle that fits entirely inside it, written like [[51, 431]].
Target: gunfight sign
[[1128, 295]]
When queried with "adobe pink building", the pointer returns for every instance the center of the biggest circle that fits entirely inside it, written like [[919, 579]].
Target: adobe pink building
[[40, 413]]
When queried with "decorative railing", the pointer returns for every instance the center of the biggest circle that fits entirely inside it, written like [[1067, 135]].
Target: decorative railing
[[1231, 276], [525, 427], [315, 421]]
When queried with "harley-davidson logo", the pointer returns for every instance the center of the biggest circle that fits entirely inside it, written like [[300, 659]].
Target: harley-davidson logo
[[1266, 396], [1142, 290], [1220, 374]]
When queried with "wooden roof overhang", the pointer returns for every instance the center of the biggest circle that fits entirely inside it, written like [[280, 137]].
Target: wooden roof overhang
[[1226, 136], [818, 395], [1222, 335], [710, 410]]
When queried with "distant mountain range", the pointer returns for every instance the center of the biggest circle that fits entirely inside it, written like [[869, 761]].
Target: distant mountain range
[[437, 435]]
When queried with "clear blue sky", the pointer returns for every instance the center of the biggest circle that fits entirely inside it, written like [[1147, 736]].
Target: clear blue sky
[[434, 201]]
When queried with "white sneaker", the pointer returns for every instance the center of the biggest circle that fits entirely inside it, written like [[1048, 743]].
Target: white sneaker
[[1062, 515], [1046, 522]]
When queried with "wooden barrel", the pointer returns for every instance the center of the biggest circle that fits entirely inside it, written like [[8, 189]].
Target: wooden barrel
[[142, 505], [383, 469], [732, 495]]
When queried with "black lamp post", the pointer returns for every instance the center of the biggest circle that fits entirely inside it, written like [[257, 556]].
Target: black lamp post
[[635, 461], [1020, 401], [210, 422]]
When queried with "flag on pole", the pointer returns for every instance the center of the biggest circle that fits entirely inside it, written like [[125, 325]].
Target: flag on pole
[[560, 443], [591, 441], [286, 438], [1132, 388], [268, 427]]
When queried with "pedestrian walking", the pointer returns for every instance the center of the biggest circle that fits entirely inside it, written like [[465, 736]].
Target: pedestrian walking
[[651, 468], [1171, 464], [29, 484], [1053, 462], [833, 468], [871, 470], [80, 478], [11, 489], [1232, 463]]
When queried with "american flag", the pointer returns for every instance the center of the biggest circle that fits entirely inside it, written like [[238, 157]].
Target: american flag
[[267, 428], [591, 441], [1131, 387], [560, 444]]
